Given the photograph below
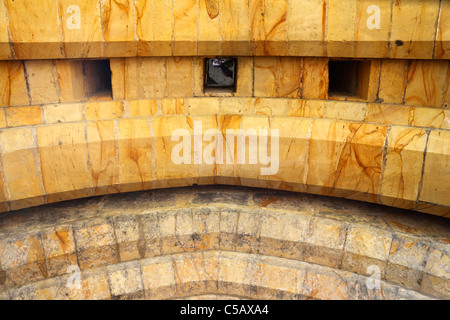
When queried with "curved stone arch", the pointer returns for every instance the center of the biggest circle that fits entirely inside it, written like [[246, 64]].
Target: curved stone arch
[[339, 158], [249, 243]]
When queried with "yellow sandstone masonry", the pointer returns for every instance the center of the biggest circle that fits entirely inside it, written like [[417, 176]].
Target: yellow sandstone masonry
[[5, 49], [135, 78], [64, 161], [158, 273], [154, 27], [293, 153], [30, 41], [125, 78], [142, 108], [71, 80], [21, 176], [269, 106], [372, 42], [200, 106], [268, 27], [135, 154], [54, 113], [345, 110], [118, 27], [369, 84], [209, 36], [288, 75], [103, 110], [152, 77], [103, 157], [179, 77], [442, 50], [277, 77], [228, 172], [426, 83], [42, 80], [341, 28], [173, 106], [265, 77], [234, 27], [118, 77], [306, 108], [2, 118], [389, 114], [236, 105], [185, 27], [447, 91], [13, 85], [413, 28], [198, 77], [345, 159], [23, 116], [250, 174], [207, 172], [430, 117], [315, 78], [86, 41], [306, 27], [244, 81], [435, 184], [393, 81], [403, 167], [94, 286], [166, 169]]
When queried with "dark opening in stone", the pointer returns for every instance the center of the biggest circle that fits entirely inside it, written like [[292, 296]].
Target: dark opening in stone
[[349, 78], [98, 78], [220, 75]]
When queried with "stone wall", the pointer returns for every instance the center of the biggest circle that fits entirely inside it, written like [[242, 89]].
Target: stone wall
[[391, 147], [221, 242], [416, 29], [61, 139]]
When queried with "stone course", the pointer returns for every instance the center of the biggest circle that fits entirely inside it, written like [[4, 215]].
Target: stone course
[[298, 246]]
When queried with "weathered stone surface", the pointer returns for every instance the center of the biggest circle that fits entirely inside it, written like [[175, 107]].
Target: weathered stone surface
[[23, 116], [403, 168], [154, 27], [306, 28], [389, 114], [345, 110], [5, 49], [372, 42], [426, 83], [118, 28], [125, 278], [236, 249], [442, 49], [412, 34], [135, 154], [13, 84], [367, 139], [315, 75], [393, 81], [436, 166], [341, 28], [55, 113], [42, 81], [30, 41], [103, 157], [63, 155], [19, 157], [71, 80]]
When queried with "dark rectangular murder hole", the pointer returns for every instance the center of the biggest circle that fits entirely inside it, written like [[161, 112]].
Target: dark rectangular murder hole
[[98, 79], [220, 75], [349, 78]]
